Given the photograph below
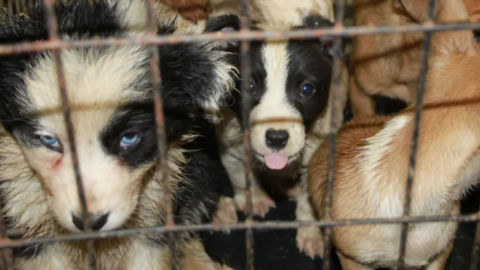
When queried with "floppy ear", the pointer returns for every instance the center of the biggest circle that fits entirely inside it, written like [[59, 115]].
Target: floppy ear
[[225, 23], [326, 42]]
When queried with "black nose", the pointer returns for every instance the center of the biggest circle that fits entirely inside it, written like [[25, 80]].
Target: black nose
[[276, 139], [96, 222]]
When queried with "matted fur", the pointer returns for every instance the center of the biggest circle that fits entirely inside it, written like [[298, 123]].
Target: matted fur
[[110, 92], [372, 160]]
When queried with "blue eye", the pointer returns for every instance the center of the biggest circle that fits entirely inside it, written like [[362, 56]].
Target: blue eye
[[307, 90], [50, 141], [129, 140]]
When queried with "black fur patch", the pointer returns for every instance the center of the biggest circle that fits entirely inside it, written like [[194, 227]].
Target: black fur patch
[[78, 18], [309, 62], [196, 199]]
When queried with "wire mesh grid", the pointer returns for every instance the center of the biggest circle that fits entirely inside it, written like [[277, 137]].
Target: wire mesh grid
[[245, 35]]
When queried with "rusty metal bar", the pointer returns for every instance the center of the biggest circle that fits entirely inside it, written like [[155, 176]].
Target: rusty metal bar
[[245, 36], [416, 129], [246, 75], [6, 258], [336, 84], [160, 129], [52, 25], [23, 47], [476, 247], [240, 226]]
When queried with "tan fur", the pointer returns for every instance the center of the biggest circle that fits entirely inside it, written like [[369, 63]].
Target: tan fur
[[473, 7], [387, 65], [372, 158], [383, 64]]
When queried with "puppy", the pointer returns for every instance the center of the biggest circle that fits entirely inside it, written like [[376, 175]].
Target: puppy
[[111, 101], [386, 65], [373, 153], [290, 117]]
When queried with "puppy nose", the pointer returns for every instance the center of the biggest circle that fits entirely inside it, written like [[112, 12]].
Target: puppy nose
[[276, 139], [96, 222]]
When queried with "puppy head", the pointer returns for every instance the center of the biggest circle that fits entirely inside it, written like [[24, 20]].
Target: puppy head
[[110, 97], [289, 89]]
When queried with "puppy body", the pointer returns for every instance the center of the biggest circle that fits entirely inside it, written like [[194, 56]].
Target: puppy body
[[386, 65], [372, 161], [288, 121], [110, 94]]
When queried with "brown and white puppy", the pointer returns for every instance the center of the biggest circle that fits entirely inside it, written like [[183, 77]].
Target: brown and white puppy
[[387, 65], [372, 159]]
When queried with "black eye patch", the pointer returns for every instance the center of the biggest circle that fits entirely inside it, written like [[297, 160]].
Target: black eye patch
[[131, 136]]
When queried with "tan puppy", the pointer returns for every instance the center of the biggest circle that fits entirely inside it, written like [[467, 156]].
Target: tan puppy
[[373, 157], [387, 65]]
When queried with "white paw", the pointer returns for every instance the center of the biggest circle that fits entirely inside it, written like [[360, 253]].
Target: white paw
[[260, 200], [310, 241], [226, 213]]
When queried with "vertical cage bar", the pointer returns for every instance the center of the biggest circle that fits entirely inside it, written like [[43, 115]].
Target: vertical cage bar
[[246, 71], [52, 25], [336, 107], [413, 152], [476, 246], [6, 258], [160, 130]]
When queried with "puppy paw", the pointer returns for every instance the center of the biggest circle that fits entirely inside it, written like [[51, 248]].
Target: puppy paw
[[294, 193], [260, 200], [310, 241], [226, 213]]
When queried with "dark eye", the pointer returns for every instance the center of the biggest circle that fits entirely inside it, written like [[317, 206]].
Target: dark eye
[[307, 90], [129, 140], [252, 86]]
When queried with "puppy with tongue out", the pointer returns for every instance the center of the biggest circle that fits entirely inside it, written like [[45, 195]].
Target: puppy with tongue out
[[289, 118]]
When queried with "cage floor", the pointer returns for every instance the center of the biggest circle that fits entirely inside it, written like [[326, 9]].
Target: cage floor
[[276, 249]]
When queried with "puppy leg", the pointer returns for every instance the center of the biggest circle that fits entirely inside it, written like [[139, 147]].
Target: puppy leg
[[361, 103], [349, 264], [226, 212], [261, 201], [309, 239], [440, 262], [195, 257]]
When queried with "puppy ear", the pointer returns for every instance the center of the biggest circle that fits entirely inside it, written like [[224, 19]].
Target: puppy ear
[[225, 23], [326, 42]]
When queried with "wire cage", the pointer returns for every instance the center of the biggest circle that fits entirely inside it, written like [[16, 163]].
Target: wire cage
[[245, 35]]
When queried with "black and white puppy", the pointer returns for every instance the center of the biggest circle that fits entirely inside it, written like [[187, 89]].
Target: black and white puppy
[[290, 117], [110, 93]]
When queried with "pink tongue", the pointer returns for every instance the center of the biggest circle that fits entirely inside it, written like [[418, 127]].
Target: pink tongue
[[276, 161]]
